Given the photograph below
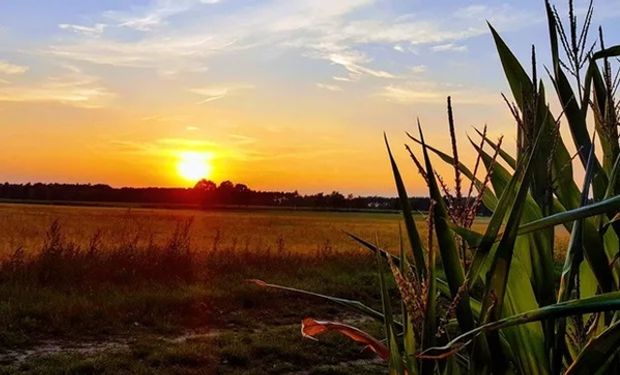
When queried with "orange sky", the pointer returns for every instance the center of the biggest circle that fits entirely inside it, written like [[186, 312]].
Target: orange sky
[[283, 95]]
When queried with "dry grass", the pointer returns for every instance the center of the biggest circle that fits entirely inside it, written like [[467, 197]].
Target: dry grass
[[300, 232], [74, 273]]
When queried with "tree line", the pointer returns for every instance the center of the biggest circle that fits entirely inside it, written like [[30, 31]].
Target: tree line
[[204, 194]]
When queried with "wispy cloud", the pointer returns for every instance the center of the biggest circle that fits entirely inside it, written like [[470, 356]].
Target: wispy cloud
[[418, 69], [423, 92], [91, 31], [10, 69], [318, 29], [326, 86], [449, 47], [156, 14], [214, 93], [73, 88], [354, 63]]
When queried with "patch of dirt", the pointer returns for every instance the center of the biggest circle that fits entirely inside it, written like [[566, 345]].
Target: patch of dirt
[[51, 347], [46, 348]]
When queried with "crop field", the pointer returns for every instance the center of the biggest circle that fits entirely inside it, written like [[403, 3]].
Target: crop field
[[300, 232], [119, 290]]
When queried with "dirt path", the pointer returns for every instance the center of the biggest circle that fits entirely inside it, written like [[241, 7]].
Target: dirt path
[[46, 348], [121, 344]]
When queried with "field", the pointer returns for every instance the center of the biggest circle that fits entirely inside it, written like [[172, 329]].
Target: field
[[119, 290], [299, 232]]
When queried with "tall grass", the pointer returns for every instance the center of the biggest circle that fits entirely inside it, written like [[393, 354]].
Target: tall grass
[[60, 261], [488, 302]]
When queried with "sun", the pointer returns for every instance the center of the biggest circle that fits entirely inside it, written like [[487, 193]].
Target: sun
[[193, 166]]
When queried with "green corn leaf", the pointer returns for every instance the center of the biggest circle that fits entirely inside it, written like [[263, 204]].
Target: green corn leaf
[[593, 246], [356, 306], [374, 249], [506, 186], [488, 198], [430, 315], [536, 248], [417, 248], [608, 135], [613, 176], [561, 169], [395, 359], [504, 155], [607, 52], [599, 303], [572, 262], [472, 238], [576, 118], [520, 84], [553, 36], [606, 206], [614, 220], [409, 341], [594, 357], [447, 246], [495, 292]]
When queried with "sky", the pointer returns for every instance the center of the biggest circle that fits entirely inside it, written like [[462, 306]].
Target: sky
[[277, 94]]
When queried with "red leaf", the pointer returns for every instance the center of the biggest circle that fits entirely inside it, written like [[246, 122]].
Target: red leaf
[[311, 328]]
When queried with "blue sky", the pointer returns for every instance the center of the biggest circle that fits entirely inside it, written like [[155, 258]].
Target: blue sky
[[262, 85]]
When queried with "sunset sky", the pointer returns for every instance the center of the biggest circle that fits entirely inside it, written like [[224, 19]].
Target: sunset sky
[[278, 94]]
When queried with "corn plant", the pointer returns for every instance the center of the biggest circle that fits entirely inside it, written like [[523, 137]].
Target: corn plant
[[490, 302]]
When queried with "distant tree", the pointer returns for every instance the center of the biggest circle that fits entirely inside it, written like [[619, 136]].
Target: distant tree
[[226, 186], [205, 185], [205, 194]]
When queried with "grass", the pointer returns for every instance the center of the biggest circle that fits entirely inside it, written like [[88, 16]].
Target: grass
[[150, 293], [298, 231], [73, 284]]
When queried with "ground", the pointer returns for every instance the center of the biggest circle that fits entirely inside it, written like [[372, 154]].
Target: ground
[[76, 297], [116, 290]]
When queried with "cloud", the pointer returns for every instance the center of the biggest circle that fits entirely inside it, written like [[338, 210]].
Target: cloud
[[166, 37], [342, 79], [156, 14], [214, 93], [92, 31], [11, 69], [427, 92], [239, 139], [353, 62], [451, 47], [418, 69], [149, 53], [328, 87], [74, 88], [408, 95]]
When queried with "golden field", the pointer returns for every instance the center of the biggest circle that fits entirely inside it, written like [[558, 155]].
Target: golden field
[[301, 232]]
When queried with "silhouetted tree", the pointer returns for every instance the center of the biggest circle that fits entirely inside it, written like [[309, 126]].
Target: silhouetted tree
[[204, 194]]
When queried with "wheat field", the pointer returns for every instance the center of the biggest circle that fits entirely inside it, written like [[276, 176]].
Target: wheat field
[[24, 226]]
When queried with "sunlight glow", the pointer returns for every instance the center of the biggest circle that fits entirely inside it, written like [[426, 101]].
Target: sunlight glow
[[192, 166]]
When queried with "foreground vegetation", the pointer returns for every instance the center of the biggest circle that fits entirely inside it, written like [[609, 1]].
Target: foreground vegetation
[[25, 226], [90, 290], [471, 299], [489, 301], [172, 308]]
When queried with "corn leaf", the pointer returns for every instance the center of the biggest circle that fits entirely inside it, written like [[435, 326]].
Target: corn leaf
[[594, 357], [356, 306], [394, 358], [599, 303], [417, 248], [447, 246], [310, 328]]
